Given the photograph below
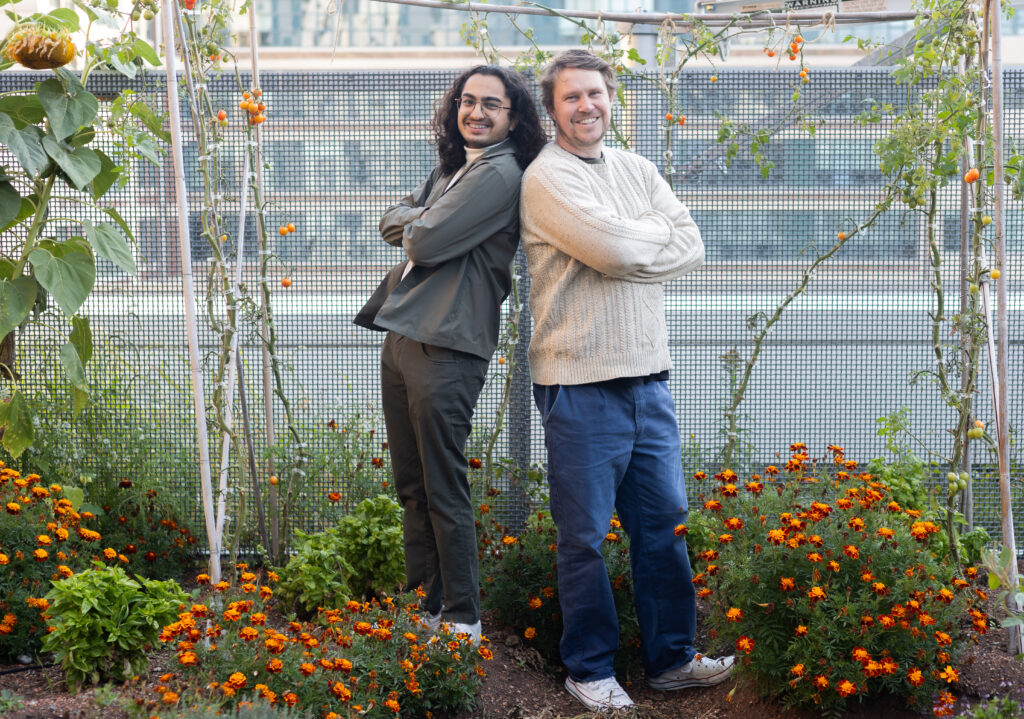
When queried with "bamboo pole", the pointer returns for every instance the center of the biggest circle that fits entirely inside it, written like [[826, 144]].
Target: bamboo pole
[[188, 288], [264, 250], [1014, 639], [229, 391], [682, 22]]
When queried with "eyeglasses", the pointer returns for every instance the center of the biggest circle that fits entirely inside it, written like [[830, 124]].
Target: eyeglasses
[[490, 107]]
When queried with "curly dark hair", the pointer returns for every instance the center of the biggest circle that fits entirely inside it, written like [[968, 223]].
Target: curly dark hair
[[528, 136]]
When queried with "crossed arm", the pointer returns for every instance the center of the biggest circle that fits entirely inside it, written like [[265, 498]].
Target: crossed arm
[[479, 205], [657, 245]]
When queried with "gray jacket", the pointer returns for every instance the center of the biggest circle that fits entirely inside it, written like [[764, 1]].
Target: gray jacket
[[461, 248]]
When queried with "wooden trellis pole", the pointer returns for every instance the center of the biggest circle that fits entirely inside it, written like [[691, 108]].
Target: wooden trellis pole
[[1015, 640], [168, 13]]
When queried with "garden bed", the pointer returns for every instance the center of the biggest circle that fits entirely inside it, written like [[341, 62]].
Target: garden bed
[[518, 686]]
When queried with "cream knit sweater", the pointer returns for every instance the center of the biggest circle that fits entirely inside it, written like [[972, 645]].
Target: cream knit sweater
[[600, 241]]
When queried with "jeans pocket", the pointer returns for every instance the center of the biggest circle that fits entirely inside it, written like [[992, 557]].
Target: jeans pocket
[[546, 397]]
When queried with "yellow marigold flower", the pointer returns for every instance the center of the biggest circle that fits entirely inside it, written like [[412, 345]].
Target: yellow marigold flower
[[109, 553], [392, 705], [507, 540], [943, 639], [4, 559], [13, 508], [530, 633], [274, 666], [734, 614], [485, 653], [611, 537], [62, 534], [801, 631], [40, 555], [64, 571], [797, 670], [615, 523], [236, 680], [816, 594]]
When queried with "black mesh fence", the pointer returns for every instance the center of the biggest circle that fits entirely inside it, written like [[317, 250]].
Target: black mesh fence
[[340, 147]]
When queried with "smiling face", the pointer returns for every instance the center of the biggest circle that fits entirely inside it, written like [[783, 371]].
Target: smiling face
[[582, 111], [479, 127]]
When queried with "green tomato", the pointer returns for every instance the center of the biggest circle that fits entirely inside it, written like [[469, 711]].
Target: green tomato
[[986, 220], [975, 433], [148, 15], [965, 477], [952, 477], [974, 289]]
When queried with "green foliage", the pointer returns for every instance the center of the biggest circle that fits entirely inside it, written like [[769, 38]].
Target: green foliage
[[363, 555], [49, 132], [257, 709], [1001, 569], [9, 702], [103, 623], [114, 457], [828, 590], [42, 538], [374, 659], [316, 575], [350, 459], [371, 542], [520, 585], [998, 708]]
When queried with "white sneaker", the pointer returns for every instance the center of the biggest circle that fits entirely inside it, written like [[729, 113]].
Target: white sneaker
[[431, 621], [700, 672], [599, 695], [471, 630]]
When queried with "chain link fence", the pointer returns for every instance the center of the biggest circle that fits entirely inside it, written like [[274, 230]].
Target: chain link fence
[[342, 146]]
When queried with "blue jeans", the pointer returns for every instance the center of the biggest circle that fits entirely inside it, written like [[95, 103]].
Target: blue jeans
[[616, 446]]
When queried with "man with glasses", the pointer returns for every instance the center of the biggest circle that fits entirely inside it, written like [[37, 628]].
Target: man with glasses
[[603, 232], [440, 306]]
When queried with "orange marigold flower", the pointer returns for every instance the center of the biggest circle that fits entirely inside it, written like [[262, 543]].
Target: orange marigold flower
[[535, 603], [724, 538], [776, 536], [307, 669], [754, 487], [949, 674], [943, 639], [834, 565], [856, 524], [821, 682], [771, 469], [274, 666], [611, 537], [846, 688], [188, 659], [814, 557], [745, 644], [879, 588], [851, 551], [734, 614], [700, 475], [797, 670], [704, 593], [926, 619], [787, 584], [734, 523], [507, 540], [530, 633], [713, 505], [392, 705], [816, 594], [860, 654], [801, 630], [334, 496], [680, 530]]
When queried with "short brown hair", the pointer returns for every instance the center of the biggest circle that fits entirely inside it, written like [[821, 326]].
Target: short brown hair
[[576, 59]]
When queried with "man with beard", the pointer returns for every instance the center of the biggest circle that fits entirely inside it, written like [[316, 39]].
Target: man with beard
[[603, 232]]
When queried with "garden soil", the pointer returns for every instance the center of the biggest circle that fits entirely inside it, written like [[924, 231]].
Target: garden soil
[[519, 686]]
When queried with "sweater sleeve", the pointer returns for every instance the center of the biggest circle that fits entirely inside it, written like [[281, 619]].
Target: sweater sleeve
[[560, 208], [684, 252]]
